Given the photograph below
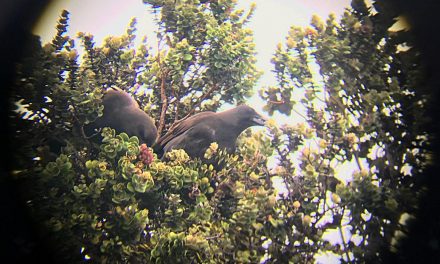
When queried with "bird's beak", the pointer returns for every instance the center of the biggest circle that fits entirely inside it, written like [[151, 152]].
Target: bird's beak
[[259, 120]]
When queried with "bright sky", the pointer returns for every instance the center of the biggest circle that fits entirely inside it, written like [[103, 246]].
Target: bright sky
[[271, 23]]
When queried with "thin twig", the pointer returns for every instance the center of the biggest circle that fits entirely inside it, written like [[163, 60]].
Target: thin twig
[[356, 157], [343, 239], [164, 100], [301, 115], [163, 96], [213, 88], [277, 102]]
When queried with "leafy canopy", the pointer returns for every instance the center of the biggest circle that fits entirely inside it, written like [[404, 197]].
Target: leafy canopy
[[114, 201]]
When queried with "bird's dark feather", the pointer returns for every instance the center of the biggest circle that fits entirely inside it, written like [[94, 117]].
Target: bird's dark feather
[[184, 126], [122, 113], [196, 133]]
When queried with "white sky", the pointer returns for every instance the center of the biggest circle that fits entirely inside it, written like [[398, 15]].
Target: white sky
[[270, 23]]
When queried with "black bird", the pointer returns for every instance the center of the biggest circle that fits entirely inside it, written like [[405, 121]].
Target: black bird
[[195, 134], [122, 113]]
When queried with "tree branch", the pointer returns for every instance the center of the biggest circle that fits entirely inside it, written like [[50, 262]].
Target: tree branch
[[163, 95], [201, 99], [164, 100]]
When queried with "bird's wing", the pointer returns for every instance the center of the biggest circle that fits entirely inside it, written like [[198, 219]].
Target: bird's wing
[[194, 141], [183, 127]]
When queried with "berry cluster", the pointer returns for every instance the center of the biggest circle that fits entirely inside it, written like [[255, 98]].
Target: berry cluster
[[145, 154]]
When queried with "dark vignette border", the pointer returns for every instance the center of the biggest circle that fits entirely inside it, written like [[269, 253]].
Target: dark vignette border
[[19, 241]]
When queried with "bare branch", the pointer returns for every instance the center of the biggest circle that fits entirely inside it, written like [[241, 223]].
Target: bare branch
[[201, 99], [164, 100]]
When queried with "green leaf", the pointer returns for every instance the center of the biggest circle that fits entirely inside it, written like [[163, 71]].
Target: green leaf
[[187, 57], [123, 136], [130, 187]]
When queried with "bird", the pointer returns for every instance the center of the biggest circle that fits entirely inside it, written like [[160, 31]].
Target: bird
[[196, 133], [122, 113]]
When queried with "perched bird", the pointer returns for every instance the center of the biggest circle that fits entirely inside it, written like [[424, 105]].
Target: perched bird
[[122, 113], [195, 134]]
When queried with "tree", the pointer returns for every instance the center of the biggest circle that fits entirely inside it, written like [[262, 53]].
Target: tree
[[116, 202], [369, 109]]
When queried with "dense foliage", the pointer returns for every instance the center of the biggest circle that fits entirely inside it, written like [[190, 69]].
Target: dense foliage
[[114, 201]]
